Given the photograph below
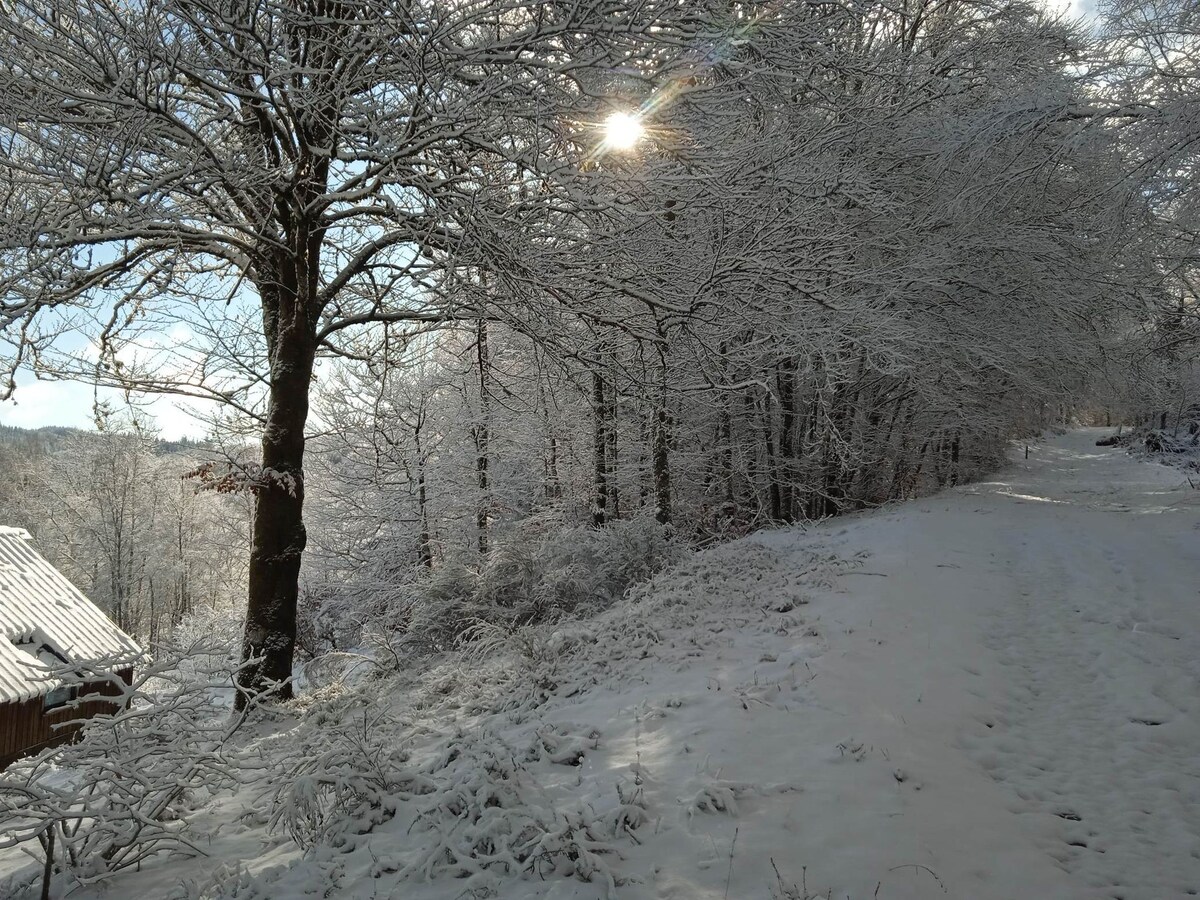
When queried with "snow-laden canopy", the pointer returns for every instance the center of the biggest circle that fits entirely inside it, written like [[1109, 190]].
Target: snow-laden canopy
[[45, 620]]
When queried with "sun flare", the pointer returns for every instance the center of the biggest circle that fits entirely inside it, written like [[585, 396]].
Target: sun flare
[[622, 131]]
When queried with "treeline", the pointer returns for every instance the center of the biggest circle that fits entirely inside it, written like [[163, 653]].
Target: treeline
[[116, 514], [847, 265]]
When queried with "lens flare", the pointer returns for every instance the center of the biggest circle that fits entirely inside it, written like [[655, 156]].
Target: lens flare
[[622, 131]]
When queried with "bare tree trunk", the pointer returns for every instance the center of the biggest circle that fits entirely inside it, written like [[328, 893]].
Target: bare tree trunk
[[482, 435], [612, 456], [768, 429], [757, 476], [725, 429], [48, 867], [553, 485], [785, 377], [425, 548], [278, 538], [662, 465], [599, 449], [185, 600]]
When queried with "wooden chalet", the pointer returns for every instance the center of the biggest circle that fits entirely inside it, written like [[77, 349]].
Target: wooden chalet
[[46, 624]]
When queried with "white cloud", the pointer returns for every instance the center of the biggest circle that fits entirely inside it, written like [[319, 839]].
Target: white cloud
[[40, 403]]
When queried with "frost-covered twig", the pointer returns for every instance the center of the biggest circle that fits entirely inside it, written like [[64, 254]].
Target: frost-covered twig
[[132, 774]]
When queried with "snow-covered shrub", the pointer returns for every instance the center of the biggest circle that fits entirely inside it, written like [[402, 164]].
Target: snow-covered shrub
[[228, 882], [342, 779], [1176, 446], [133, 775], [234, 881], [487, 815], [433, 785], [330, 617], [474, 806], [540, 575], [1156, 441], [317, 624], [213, 642]]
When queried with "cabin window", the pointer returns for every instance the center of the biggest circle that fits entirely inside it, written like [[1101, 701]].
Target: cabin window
[[58, 697]]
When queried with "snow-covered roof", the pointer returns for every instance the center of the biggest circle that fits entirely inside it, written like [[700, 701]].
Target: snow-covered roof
[[43, 617]]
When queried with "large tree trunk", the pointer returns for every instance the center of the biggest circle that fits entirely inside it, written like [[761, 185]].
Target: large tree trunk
[[278, 533], [599, 449]]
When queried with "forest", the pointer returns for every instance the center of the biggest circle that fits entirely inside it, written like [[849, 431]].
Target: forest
[[491, 311]]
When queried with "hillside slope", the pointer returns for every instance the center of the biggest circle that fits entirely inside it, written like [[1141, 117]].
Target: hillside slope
[[988, 694]]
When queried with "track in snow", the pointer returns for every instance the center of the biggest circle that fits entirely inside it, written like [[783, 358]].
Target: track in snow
[[1050, 621], [1100, 644]]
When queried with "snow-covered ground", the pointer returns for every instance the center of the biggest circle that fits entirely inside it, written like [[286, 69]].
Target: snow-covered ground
[[989, 693]]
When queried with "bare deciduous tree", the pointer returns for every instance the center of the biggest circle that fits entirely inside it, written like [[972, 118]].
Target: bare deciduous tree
[[276, 176]]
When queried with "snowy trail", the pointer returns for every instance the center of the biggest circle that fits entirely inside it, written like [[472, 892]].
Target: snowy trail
[[1058, 613], [1101, 650], [1002, 702]]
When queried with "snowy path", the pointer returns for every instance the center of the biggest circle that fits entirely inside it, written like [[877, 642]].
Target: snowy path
[[1051, 619], [1101, 650]]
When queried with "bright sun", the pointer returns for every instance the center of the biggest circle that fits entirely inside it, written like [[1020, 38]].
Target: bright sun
[[622, 131]]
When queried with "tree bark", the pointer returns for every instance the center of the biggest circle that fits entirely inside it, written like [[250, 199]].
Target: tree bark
[[48, 866], [773, 475], [599, 449], [785, 377], [425, 548], [613, 455], [662, 466], [483, 511], [279, 538], [553, 485]]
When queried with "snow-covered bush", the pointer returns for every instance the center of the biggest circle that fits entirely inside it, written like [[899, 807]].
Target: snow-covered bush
[[1156, 441], [343, 778], [542, 574], [545, 574], [474, 807], [487, 815], [330, 616], [1176, 446], [463, 773], [120, 794]]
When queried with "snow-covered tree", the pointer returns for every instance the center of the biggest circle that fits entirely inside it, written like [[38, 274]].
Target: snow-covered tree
[[228, 191]]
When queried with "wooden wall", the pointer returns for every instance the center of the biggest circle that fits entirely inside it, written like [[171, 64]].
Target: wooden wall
[[26, 727]]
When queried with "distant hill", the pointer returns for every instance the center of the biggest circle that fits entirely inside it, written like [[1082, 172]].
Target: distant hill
[[37, 440], [50, 438]]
